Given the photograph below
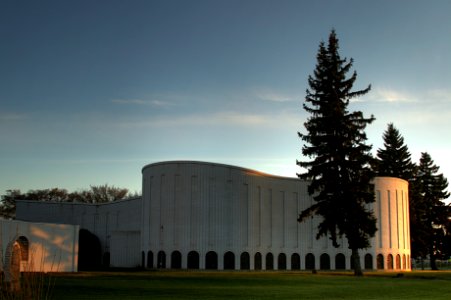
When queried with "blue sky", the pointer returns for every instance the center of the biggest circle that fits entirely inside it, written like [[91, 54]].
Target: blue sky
[[91, 91]]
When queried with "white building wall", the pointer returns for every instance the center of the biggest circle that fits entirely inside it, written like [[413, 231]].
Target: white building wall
[[100, 219], [48, 247], [196, 209], [203, 207]]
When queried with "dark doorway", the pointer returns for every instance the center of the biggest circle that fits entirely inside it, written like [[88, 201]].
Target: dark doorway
[[340, 261], [295, 261], [149, 259], [89, 251], [211, 261], [258, 261], [229, 261], [310, 262], [161, 260], [282, 262], [245, 263], [176, 260], [269, 261], [368, 261], [193, 260]]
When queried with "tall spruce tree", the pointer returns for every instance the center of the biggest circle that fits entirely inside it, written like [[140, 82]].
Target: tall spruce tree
[[339, 170], [394, 160], [428, 212]]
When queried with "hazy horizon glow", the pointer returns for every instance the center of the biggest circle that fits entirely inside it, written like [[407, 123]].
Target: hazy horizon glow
[[92, 91]]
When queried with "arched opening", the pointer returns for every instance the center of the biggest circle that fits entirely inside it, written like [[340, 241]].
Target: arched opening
[[269, 261], [310, 261], [24, 245], [106, 259], [143, 259], [380, 262], [408, 262], [390, 262], [176, 260], [211, 261], [89, 251], [149, 259], [161, 260], [229, 261], [398, 262], [193, 260], [404, 266], [282, 261], [368, 261], [295, 261], [258, 261], [340, 261], [245, 261], [324, 261]]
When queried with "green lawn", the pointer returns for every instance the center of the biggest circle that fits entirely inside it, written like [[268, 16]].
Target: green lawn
[[251, 285]]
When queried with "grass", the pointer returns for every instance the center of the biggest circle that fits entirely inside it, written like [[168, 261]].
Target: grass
[[251, 285]]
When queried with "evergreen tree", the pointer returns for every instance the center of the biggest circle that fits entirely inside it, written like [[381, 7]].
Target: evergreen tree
[[339, 173], [394, 160], [428, 214]]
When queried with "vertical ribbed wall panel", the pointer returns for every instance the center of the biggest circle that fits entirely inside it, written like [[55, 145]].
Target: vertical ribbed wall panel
[[210, 207]]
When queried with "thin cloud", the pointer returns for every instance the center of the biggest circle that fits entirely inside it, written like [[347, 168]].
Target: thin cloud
[[387, 95], [274, 96], [229, 118], [141, 102]]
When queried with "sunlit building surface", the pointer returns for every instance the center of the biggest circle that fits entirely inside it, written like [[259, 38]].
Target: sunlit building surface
[[198, 215], [38, 247]]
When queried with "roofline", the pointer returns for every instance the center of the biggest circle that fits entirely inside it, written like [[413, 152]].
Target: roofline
[[247, 170]]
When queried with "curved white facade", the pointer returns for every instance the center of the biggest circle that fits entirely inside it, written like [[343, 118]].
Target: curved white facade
[[213, 216]]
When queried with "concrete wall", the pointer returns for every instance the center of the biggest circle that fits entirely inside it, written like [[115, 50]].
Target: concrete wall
[[205, 215], [43, 247], [235, 213], [103, 220]]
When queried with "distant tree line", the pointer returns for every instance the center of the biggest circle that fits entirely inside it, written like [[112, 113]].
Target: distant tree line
[[95, 194]]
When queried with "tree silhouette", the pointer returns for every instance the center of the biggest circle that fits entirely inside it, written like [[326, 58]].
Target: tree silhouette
[[339, 173], [428, 213], [394, 160]]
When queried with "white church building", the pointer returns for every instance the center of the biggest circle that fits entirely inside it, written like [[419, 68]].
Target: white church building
[[200, 215]]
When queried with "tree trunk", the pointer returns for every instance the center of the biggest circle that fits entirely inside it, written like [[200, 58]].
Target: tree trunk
[[432, 257], [356, 260]]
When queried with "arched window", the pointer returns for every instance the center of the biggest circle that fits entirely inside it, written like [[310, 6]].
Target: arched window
[[398, 262], [211, 261], [282, 262], [404, 266], [143, 259], [380, 262], [258, 261], [368, 261], [24, 244], [310, 261], [193, 260], [161, 260], [149, 259], [229, 261], [390, 262], [295, 261], [245, 263], [176, 260], [340, 261], [324, 261], [269, 261]]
